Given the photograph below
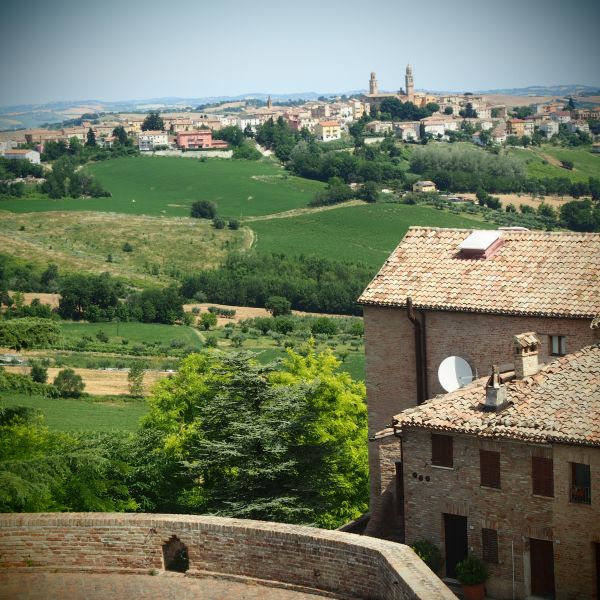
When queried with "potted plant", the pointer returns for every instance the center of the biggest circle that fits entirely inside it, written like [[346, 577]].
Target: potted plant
[[429, 553], [472, 574]]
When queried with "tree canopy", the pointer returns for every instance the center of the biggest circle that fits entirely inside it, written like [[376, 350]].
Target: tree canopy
[[286, 445], [153, 122]]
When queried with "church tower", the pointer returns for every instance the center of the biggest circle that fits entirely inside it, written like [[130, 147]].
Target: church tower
[[269, 103], [373, 88], [409, 82]]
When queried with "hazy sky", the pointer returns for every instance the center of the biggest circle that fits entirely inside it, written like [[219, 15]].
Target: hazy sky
[[126, 49]]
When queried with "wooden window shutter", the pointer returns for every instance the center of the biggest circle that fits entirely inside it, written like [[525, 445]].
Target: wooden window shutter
[[542, 476], [490, 468], [441, 450], [489, 543]]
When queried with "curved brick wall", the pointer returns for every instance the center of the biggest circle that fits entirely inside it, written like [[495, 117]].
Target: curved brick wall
[[345, 564]]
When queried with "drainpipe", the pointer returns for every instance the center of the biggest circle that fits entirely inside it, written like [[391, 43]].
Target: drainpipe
[[419, 364], [424, 355]]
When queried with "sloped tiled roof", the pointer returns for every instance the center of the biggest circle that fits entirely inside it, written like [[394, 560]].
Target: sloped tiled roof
[[530, 273], [560, 403]]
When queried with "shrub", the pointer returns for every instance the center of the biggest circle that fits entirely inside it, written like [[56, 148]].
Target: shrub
[[211, 341], [203, 209], [127, 247], [102, 337], [429, 553], [69, 384], [29, 332], [278, 305], [38, 372], [219, 222], [233, 224], [15, 382], [207, 321], [471, 571], [323, 325]]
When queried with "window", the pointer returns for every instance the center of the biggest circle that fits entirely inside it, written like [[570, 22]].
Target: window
[[581, 484], [441, 451], [558, 345], [489, 544], [489, 464], [542, 476]]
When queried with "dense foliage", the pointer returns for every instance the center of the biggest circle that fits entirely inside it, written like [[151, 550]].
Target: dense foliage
[[19, 275], [285, 445], [309, 283], [30, 332]]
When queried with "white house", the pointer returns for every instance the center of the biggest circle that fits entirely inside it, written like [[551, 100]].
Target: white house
[[32, 156], [252, 121], [150, 140], [550, 128]]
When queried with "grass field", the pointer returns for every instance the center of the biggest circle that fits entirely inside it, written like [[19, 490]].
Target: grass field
[[543, 162], [169, 185], [85, 414], [366, 233], [163, 248], [136, 333]]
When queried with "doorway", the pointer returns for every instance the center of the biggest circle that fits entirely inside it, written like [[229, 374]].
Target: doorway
[[456, 542], [542, 568]]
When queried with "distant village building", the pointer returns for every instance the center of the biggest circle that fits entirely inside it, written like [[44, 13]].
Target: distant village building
[[379, 126], [32, 156], [424, 187], [549, 128], [198, 140], [328, 130], [151, 140]]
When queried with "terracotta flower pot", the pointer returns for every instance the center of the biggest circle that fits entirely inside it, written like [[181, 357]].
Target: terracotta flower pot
[[474, 592]]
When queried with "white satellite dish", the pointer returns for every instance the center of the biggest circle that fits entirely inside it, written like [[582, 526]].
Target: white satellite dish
[[454, 372]]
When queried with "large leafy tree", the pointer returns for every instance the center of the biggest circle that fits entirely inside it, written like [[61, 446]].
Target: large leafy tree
[[153, 122], [256, 442]]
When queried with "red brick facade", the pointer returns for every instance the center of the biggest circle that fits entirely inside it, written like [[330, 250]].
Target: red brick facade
[[513, 511], [304, 557], [481, 339]]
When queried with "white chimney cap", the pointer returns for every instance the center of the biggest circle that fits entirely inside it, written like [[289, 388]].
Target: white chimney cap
[[479, 240]]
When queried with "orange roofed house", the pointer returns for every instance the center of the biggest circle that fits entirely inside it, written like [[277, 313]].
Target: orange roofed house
[[463, 293]]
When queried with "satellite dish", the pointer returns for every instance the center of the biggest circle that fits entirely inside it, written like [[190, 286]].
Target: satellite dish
[[454, 372]]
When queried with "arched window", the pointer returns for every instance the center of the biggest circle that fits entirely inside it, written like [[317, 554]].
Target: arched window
[[175, 555]]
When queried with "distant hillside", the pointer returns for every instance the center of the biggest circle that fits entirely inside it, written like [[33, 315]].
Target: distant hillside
[[545, 90]]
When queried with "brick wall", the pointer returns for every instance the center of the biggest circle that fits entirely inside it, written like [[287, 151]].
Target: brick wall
[[342, 563], [513, 511], [481, 339]]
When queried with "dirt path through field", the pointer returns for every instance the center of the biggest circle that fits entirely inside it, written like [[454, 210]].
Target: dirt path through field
[[506, 199], [295, 212], [102, 382]]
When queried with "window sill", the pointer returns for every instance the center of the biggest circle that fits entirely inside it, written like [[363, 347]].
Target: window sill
[[441, 467], [542, 497], [487, 487]]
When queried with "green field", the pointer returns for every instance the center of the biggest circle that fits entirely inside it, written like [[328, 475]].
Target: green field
[[94, 414], [136, 333], [169, 185], [365, 233], [537, 164]]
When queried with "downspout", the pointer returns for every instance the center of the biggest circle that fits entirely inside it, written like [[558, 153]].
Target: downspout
[[424, 355], [418, 350]]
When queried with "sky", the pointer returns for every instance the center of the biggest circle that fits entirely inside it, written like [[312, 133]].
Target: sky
[[134, 49]]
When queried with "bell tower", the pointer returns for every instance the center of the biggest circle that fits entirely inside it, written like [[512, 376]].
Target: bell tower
[[373, 88], [409, 82]]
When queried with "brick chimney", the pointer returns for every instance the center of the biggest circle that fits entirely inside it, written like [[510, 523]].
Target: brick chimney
[[526, 354], [495, 391]]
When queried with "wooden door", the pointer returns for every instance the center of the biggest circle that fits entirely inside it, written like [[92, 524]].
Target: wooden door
[[542, 568], [456, 542]]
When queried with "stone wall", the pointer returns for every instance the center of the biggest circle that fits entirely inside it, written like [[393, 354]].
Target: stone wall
[[513, 511], [348, 565]]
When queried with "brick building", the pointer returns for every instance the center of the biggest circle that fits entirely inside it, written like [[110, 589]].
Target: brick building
[[510, 468], [447, 292]]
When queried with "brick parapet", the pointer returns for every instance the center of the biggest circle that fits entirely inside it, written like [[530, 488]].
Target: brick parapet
[[345, 564]]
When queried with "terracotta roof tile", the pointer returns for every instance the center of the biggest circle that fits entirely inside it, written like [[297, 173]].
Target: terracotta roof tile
[[529, 273], [560, 403]]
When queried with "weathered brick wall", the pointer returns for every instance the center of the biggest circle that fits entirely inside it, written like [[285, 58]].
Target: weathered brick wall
[[346, 564], [513, 511], [481, 339]]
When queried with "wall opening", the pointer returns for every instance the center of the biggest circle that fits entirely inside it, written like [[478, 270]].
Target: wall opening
[[175, 555]]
